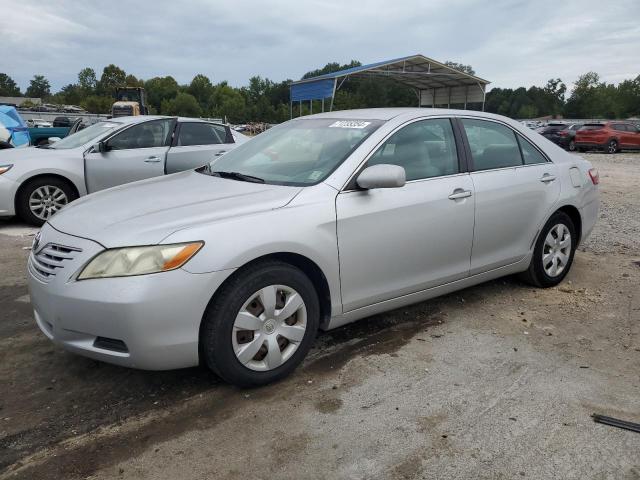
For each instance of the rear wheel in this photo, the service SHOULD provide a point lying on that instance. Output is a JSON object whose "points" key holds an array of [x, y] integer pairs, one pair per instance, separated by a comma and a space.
{"points": [[553, 253], [42, 197], [261, 325], [612, 146], [572, 146]]}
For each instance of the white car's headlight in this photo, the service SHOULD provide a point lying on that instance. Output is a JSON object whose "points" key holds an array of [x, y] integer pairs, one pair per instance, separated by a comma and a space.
{"points": [[128, 261], [5, 168]]}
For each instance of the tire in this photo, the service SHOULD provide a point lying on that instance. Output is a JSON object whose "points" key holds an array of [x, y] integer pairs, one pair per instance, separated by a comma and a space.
{"points": [[223, 342], [572, 146], [611, 146], [60, 193], [540, 273]]}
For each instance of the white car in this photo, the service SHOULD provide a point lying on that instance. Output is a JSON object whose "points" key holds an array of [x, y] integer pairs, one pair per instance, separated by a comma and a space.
{"points": [[36, 182], [39, 123]]}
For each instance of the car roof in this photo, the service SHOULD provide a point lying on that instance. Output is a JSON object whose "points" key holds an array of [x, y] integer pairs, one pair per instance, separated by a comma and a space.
{"points": [[389, 113], [144, 118]]}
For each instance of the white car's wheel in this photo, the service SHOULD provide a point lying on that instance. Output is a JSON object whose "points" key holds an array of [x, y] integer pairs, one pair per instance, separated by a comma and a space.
{"points": [[41, 198]]}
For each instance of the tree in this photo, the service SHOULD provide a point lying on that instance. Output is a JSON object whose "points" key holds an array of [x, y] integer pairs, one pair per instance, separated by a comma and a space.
{"points": [[202, 89], [460, 67], [97, 104], [39, 87], [8, 87], [183, 105], [132, 81], [87, 80], [112, 78], [159, 89], [72, 94], [228, 102]]}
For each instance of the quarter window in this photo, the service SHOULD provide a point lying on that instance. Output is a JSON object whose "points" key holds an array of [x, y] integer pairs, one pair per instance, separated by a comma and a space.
{"points": [[143, 135], [201, 134], [492, 145], [424, 149], [530, 154]]}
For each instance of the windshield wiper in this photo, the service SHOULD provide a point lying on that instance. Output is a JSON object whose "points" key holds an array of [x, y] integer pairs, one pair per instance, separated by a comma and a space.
{"points": [[238, 176]]}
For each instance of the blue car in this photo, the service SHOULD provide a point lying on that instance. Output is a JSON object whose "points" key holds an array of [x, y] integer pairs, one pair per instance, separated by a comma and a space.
{"points": [[12, 121]]}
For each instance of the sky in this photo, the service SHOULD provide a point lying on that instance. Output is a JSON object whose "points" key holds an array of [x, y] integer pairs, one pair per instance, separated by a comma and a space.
{"points": [[511, 43]]}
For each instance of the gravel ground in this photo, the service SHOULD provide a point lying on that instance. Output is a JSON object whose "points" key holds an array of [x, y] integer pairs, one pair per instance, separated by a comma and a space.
{"points": [[496, 381]]}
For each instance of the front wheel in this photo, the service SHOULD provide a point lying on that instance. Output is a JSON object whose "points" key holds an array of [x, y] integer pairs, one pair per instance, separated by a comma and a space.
{"points": [[553, 253], [261, 324], [42, 197], [612, 146]]}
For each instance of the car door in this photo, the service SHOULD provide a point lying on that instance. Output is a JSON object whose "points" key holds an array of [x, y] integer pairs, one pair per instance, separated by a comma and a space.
{"points": [[132, 154], [197, 143], [631, 136], [397, 241], [513, 196]]}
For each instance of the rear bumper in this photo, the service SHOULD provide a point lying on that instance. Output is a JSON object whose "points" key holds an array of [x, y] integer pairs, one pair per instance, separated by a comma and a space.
{"points": [[560, 141]]}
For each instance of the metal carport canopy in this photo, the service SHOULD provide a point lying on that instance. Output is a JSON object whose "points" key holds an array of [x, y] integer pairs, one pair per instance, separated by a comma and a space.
{"points": [[435, 83]]}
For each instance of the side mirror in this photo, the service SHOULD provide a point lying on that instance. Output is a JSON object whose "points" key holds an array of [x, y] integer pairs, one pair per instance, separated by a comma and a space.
{"points": [[382, 176], [53, 140], [99, 147]]}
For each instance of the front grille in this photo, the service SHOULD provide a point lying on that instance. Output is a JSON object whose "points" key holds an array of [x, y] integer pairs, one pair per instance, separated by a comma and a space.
{"points": [[49, 260]]}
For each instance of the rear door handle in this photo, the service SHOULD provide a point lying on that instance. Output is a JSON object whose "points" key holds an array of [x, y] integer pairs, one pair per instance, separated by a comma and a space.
{"points": [[459, 193], [546, 178], [152, 159]]}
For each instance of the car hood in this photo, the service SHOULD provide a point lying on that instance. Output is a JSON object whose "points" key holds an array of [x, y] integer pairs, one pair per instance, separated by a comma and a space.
{"points": [[146, 212], [19, 155]]}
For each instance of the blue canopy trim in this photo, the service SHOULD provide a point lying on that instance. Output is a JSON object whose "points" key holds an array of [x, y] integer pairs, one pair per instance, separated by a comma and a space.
{"points": [[313, 90]]}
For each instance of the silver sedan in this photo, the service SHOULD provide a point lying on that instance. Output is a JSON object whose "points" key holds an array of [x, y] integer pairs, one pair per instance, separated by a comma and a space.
{"points": [[36, 182], [316, 223]]}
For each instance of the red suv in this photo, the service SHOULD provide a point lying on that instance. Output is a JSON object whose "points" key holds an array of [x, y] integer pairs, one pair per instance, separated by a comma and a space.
{"points": [[608, 136]]}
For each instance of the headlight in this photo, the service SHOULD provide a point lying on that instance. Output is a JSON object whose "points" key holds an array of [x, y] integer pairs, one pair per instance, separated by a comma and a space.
{"points": [[5, 168], [124, 262]]}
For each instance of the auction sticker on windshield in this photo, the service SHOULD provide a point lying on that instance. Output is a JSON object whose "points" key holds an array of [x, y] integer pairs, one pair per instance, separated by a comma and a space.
{"points": [[349, 124]]}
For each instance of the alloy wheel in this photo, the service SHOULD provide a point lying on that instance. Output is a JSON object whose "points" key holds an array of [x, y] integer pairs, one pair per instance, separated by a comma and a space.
{"points": [[269, 327], [556, 250], [612, 147], [46, 200], [572, 146]]}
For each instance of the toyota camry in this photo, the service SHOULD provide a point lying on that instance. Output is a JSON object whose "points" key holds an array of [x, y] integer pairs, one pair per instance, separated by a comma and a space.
{"points": [[318, 222]]}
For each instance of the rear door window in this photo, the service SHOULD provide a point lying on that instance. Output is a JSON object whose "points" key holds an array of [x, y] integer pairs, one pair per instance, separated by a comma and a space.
{"points": [[492, 144], [530, 154], [200, 133]]}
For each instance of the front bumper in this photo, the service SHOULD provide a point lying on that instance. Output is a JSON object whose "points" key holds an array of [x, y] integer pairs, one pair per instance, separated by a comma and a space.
{"points": [[156, 317], [7, 197]]}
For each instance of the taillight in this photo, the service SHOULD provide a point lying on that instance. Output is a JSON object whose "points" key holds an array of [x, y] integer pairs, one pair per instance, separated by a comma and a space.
{"points": [[594, 175], [563, 133]]}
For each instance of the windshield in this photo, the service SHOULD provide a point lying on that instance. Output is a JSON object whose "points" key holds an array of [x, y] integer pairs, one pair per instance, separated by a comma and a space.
{"points": [[299, 152], [85, 136]]}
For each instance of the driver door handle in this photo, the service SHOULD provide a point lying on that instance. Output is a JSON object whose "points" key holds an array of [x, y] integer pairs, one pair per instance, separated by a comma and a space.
{"points": [[219, 153], [152, 159], [459, 193], [546, 178]]}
